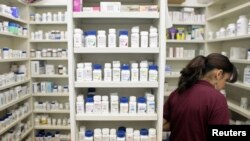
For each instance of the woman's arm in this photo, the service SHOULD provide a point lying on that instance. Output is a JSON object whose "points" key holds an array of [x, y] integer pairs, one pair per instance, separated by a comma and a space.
{"points": [[166, 125]]}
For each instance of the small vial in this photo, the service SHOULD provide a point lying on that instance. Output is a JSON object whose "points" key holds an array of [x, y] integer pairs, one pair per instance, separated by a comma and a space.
{"points": [[151, 104], [112, 38], [112, 136], [105, 104], [135, 38], [114, 104], [107, 72], [80, 104], [97, 72], [123, 105], [132, 105], [142, 107], [97, 134], [153, 37], [134, 72], [153, 73], [116, 71], [97, 104], [152, 134], [87, 71], [105, 134], [123, 39], [144, 71], [129, 134], [79, 72], [137, 135], [125, 73]]}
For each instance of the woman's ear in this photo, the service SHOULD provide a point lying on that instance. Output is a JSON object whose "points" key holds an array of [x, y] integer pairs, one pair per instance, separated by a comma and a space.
{"points": [[219, 74]]}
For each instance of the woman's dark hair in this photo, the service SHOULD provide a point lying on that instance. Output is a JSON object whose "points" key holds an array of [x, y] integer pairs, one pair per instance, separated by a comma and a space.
{"points": [[200, 65]]}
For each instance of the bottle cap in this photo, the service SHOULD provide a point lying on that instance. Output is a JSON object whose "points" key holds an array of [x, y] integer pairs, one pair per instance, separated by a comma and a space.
{"points": [[152, 131], [107, 65], [105, 98], [97, 66], [141, 100], [153, 67], [102, 32], [125, 67], [97, 98], [112, 131], [89, 99], [88, 133], [121, 134], [144, 131], [144, 33], [132, 99], [112, 30], [123, 32], [134, 65], [123, 100]]}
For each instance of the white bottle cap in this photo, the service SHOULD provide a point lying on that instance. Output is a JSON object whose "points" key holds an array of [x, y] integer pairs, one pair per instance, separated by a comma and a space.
{"points": [[87, 64], [129, 130], [144, 64], [112, 131], [153, 29], [112, 30], [134, 65], [132, 99], [97, 131], [135, 29], [150, 98], [102, 32], [107, 65], [152, 131], [114, 98], [136, 133], [116, 64], [80, 98], [105, 98], [105, 131], [82, 128], [144, 33], [97, 98]]}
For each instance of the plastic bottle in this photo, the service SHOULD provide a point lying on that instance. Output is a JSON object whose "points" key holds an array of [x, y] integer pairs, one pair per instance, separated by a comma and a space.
{"points": [[144, 39], [89, 105], [135, 38], [112, 136], [87, 71], [137, 135], [81, 135], [132, 105], [90, 38], [151, 104], [231, 30], [116, 71], [153, 37], [125, 72], [114, 105], [105, 104], [101, 38], [120, 136], [123, 105], [97, 72], [97, 104], [152, 134], [144, 71], [153, 73], [142, 107], [79, 72], [129, 134], [112, 38], [144, 134], [246, 77], [107, 72], [249, 27], [242, 25], [80, 104], [78, 38], [123, 39], [88, 135], [97, 134], [134, 72], [105, 134]]}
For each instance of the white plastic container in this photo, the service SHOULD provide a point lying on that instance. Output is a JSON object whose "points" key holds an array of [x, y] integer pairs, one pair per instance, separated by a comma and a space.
{"points": [[90, 39], [134, 72], [114, 105], [78, 38], [112, 38], [246, 77], [80, 104], [97, 134], [107, 72], [105, 134], [132, 105], [153, 37], [222, 32], [153, 73], [79, 72], [87, 71], [125, 73], [144, 71], [144, 39], [242, 25], [151, 104], [89, 105], [249, 27], [105, 104], [152, 134], [101, 39], [97, 72], [121, 136], [129, 134], [81, 135], [97, 104], [231, 30], [135, 38], [89, 136], [142, 106], [112, 136], [123, 39], [144, 134], [123, 105], [137, 135], [116, 71]]}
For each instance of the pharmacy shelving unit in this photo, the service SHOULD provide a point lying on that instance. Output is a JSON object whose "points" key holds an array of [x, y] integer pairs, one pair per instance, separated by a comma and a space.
{"points": [[15, 42], [198, 45], [120, 20], [220, 13], [54, 7]]}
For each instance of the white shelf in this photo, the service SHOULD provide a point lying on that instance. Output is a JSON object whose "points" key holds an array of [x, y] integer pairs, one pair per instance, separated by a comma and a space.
{"points": [[229, 38], [185, 41], [167, 93], [13, 35], [49, 58], [15, 2], [172, 76], [188, 5], [236, 11], [188, 23], [51, 94], [52, 3], [3, 130], [50, 127], [48, 23], [240, 61], [178, 59], [116, 50], [49, 41], [240, 85], [49, 76], [236, 108], [26, 133], [15, 102], [14, 60], [116, 117], [130, 15], [52, 111], [12, 18], [117, 84], [14, 84]]}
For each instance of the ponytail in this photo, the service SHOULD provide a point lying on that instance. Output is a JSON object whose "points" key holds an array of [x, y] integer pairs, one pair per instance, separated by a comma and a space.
{"points": [[191, 73]]}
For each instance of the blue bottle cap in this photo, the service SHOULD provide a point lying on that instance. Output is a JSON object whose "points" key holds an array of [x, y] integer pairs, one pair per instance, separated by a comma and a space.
{"points": [[123, 32], [97, 66], [125, 67], [88, 133], [91, 32], [121, 134], [153, 67], [124, 100], [141, 100], [144, 131], [89, 99]]}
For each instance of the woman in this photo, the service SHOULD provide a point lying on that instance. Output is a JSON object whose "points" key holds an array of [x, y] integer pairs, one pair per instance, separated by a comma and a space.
{"points": [[197, 102]]}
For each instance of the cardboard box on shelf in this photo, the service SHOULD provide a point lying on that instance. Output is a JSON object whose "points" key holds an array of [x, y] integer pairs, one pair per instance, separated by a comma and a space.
{"points": [[176, 1]]}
